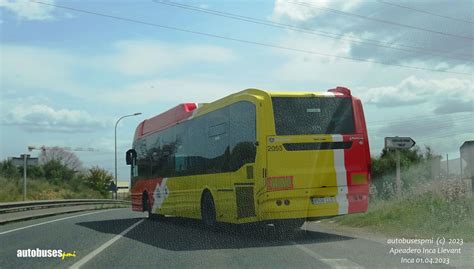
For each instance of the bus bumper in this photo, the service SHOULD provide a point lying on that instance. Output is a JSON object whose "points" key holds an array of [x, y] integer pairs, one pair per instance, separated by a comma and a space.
{"points": [[312, 203]]}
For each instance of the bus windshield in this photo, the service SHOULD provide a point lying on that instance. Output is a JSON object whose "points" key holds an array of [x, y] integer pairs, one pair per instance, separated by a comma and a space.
{"points": [[313, 115]]}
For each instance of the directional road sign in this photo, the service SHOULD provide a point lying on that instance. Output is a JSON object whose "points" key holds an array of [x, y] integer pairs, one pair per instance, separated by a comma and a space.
{"points": [[399, 142]]}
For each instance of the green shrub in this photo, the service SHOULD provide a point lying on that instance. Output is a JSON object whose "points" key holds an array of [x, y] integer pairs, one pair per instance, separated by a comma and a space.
{"points": [[98, 179], [8, 170], [52, 180]]}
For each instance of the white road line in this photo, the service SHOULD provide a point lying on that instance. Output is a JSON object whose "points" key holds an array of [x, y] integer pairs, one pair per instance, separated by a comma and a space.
{"points": [[46, 222], [341, 264], [333, 263], [107, 244]]}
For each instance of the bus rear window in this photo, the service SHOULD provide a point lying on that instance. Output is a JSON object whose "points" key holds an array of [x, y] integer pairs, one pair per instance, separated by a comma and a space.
{"points": [[313, 115]]}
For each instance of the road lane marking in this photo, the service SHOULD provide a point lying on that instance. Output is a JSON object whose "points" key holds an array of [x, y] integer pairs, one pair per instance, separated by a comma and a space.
{"points": [[308, 251], [341, 263], [50, 221], [107, 244], [333, 263]]}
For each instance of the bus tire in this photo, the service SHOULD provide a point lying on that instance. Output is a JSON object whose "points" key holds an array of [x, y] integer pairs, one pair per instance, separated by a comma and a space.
{"points": [[208, 211]]}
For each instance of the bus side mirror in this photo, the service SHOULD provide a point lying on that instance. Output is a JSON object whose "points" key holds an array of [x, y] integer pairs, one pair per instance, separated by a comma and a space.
{"points": [[130, 156]]}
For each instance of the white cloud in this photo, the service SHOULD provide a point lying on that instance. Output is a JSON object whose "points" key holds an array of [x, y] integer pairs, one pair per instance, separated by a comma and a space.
{"points": [[412, 45], [33, 69], [171, 91], [284, 9], [29, 10], [26, 68], [43, 118], [318, 68], [149, 57], [414, 90]]}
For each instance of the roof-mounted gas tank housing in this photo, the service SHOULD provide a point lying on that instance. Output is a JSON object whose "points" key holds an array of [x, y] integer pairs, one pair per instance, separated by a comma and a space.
{"points": [[342, 90], [166, 119]]}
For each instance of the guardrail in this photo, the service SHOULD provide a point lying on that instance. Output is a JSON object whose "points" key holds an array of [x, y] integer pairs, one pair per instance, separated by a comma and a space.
{"points": [[33, 209]]}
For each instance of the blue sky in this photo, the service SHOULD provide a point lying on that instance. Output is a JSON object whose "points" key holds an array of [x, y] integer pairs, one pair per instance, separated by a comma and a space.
{"points": [[67, 76]]}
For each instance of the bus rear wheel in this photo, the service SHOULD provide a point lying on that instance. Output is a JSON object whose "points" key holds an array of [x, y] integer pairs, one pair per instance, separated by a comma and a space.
{"points": [[208, 211]]}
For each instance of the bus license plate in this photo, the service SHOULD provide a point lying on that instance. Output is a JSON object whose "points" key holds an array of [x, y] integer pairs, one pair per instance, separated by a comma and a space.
{"points": [[323, 200]]}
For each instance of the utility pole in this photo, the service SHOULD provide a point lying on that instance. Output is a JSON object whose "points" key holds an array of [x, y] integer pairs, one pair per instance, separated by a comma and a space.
{"points": [[447, 166], [398, 180], [25, 160]]}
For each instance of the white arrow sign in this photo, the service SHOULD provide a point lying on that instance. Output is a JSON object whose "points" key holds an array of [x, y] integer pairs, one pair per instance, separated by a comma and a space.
{"points": [[399, 142]]}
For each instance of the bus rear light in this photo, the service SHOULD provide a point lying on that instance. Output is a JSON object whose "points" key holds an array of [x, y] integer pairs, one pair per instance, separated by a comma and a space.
{"points": [[359, 178], [279, 183]]}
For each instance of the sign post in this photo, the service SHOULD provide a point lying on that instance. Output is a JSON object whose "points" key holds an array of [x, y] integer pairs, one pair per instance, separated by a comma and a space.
{"points": [[398, 143], [25, 160]]}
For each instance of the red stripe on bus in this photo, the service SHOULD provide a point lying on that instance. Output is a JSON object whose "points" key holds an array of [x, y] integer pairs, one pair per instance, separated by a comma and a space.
{"points": [[148, 185]]}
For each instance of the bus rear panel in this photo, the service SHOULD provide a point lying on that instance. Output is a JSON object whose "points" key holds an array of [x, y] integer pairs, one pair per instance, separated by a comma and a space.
{"points": [[318, 160]]}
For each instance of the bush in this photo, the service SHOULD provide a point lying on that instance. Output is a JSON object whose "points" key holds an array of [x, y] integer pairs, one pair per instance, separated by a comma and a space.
{"points": [[8, 170], [55, 172], [98, 179], [415, 166], [52, 180]]}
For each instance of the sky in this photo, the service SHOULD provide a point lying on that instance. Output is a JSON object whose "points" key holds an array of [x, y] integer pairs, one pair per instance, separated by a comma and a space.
{"points": [[71, 69]]}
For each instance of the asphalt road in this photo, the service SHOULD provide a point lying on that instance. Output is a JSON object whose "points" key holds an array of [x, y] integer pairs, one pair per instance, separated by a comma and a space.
{"points": [[120, 238]]}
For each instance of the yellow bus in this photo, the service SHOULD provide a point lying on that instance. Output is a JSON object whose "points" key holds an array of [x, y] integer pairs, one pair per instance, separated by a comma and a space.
{"points": [[254, 156]]}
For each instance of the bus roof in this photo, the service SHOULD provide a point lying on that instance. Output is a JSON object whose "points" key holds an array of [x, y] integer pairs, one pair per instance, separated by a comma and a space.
{"points": [[186, 111], [166, 119]]}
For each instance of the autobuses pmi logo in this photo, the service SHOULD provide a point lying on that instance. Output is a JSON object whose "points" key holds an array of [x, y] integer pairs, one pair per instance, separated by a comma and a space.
{"points": [[44, 253]]}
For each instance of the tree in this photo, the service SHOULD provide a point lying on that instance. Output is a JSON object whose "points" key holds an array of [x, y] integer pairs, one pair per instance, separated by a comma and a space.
{"points": [[56, 172], [66, 158], [9, 170], [98, 179]]}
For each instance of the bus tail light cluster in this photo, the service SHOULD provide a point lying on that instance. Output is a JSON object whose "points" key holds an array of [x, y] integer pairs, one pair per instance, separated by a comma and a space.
{"points": [[279, 183], [359, 178]]}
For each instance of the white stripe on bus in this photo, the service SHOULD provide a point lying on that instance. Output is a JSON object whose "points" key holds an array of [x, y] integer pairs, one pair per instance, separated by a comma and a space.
{"points": [[341, 176]]}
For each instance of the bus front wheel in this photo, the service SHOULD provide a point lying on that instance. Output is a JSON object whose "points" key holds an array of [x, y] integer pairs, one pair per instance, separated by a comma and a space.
{"points": [[147, 207], [208, 211]]}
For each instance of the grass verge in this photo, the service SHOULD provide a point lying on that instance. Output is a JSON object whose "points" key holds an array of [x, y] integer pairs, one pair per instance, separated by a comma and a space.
{"points": [[429, 214], [41, 189]]}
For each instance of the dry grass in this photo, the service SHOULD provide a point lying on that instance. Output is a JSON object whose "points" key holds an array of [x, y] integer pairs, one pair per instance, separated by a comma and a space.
{"points": [[41, 189], [435, 209]]}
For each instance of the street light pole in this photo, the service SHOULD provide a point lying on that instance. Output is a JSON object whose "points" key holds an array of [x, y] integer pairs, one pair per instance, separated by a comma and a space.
{"points": [[116, 123]]}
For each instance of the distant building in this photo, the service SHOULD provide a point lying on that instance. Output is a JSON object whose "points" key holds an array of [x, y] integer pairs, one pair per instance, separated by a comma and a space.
{"points": [[19, 161], [123, 189], [467, 154]]}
